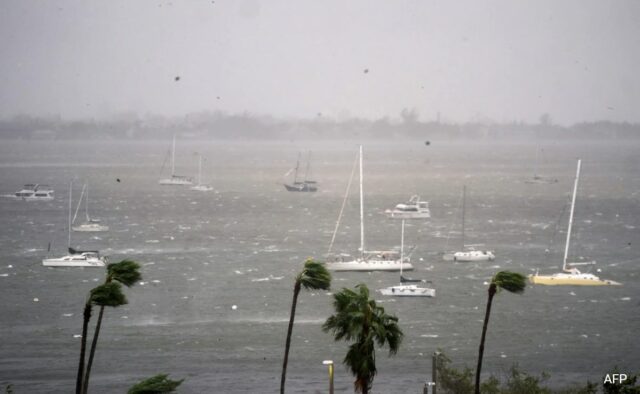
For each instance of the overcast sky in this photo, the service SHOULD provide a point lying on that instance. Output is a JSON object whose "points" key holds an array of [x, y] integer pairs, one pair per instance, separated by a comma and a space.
{"points": [[469, 60]]}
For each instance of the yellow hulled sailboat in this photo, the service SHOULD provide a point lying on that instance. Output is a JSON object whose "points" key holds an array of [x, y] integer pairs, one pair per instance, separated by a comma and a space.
{"points": [[571, 276]]}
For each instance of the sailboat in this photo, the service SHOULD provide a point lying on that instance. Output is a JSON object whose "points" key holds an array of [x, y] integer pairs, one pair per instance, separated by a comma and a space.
{"points": [[200, 187], [571, 275], [76, 258], [368, 260], [305, 185], [467, 254], [90, 225], [405, 290], [175, 180], [539, 179]]}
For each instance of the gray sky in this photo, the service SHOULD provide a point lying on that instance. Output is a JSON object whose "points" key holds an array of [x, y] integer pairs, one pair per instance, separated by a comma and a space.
{"points": [[469, 60]]}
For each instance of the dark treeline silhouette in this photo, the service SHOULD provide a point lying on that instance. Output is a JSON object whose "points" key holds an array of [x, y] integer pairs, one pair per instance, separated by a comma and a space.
{"points": [[219, 125]]}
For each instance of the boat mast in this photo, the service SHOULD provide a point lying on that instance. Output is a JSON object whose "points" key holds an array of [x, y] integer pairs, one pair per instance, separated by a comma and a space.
{"points": [[361, 210], [464, 193], [86, 205], [70, 191], [295, 173], [173, 156], [306, 171], [401, 249], [199, 169], [573, 203]]}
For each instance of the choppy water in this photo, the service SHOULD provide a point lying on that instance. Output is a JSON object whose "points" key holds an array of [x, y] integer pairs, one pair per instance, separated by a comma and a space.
{"points": [[203, 253]]}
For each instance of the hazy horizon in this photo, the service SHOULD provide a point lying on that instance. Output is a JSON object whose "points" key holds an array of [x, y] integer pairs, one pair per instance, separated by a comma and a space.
{"points": [[462, 62]]}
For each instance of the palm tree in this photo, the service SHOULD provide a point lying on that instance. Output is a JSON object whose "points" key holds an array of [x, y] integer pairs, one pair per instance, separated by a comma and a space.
{"points": [[359, 319], [314, 276], [512, 282], [126, 272], [108, 294]]}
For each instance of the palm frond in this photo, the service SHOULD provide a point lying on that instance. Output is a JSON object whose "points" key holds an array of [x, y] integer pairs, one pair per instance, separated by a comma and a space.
{"points": [[510, 281], [315, 276], [126, 272], [108, 294], [159, 384]]}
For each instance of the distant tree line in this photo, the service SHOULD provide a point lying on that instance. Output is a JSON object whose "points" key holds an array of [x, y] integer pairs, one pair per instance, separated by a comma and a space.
{"points": [[218, 125]]}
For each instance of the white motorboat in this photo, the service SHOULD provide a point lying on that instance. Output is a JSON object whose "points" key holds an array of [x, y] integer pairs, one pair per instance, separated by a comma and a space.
{"points": [[367, 260], [200, 187], [570, 275], [34, 192], [175, 180], [413, 209], [91, 225], [467, 253], [403, 289]]}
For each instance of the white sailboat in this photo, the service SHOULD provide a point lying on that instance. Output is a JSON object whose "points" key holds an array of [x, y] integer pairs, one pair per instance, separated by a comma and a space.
{"points": [[367, 260], [175, 180], [91, 225], [76, 258], [200, 187], [570, 275], [403, 289], [467, 253]]}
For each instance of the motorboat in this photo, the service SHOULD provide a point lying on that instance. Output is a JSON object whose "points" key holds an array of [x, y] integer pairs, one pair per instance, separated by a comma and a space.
{"points": [[34, 192], [413, 209]]}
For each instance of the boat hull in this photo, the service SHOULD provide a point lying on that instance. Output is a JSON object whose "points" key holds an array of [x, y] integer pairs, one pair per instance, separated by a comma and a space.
{"points": [[408, 291], [202, 188], [63, 262], [408, 215], [563, 279], [90, 228], [369, 265], [303, 187], [176, 182], [474, 255]]}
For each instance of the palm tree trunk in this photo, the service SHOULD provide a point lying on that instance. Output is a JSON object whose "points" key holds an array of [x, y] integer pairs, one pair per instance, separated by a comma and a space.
{"points": [[296, 291], [492, 292], [92, 352], [83, 345]]}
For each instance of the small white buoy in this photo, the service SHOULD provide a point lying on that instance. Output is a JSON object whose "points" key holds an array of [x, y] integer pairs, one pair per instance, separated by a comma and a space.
{"points": [[234, 307], [36, 299]]}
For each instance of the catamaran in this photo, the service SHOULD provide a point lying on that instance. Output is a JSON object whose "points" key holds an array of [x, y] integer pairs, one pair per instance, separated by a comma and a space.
{"points": [[91, 225], [305, 185], [403, 289], [175, 180], [367, 260], [537, 178], [76, 258], [466, 253], [413, 209], [571, 275]]}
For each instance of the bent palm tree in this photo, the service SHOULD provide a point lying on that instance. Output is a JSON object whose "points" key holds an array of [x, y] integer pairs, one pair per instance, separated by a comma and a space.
{"points": [[359, 319], [314, 276], [125, 272], [512, 282]]}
